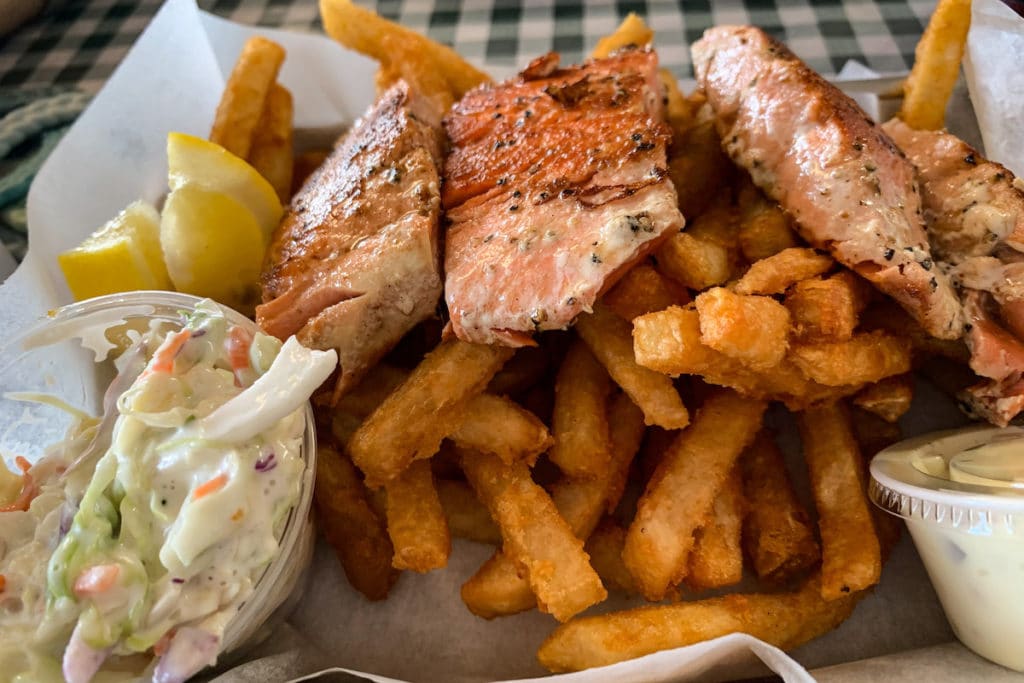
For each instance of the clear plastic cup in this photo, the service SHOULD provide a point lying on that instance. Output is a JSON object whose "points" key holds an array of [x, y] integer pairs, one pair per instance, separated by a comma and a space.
{"points": [[963, 501], [48, 358]]}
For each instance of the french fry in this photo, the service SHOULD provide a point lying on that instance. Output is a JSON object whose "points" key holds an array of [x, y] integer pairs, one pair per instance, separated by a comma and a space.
{"points": [[865, 357], [467, 517], [413, 419], [605, 549], [644, 290], [365, 397], [772, 275], [582, 445], [609, 338], [680, 493], [872, 432], [679, 112], [826, 309], [886, 315], [785, 620], [526, 368], [242, 103], [416, 521], [850, 552], [936, 66], [889, 398], [495, 424], [751, 329], [764, 228], [777, 532], [697, 165], [365, 31], [717, 557], [703, 256], [271, 151], [632, 31], [535, 536], [351, 526], [497, 589], [408, 63]]}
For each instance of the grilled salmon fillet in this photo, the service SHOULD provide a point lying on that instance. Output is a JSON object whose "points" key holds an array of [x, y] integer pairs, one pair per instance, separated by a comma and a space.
{"points": [[354, 264], [556, 182], [812, 149], [975, 216]]}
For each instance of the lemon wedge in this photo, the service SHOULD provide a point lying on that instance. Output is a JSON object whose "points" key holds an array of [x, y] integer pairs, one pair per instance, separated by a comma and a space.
{"points": [[194, 161], [213, 245], [121, 256]]}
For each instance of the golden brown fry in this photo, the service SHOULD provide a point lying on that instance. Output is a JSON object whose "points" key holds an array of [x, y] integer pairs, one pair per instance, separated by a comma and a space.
{"points": [[872, 432], [497, 589], [886, 315], [408, 63], [936, 66], [467, 517], [605, 549], [889, 398], [772, 275], [865, 357], [764, 228], [416, 522], [535, 536], [717, 557], [371, 391], [526, 368], [609, 337], [271, 151], [644, 290], [427, 406], [850, 552], [365, 31], [826, 309], [785, 620], [697, 165], [751, 329], [244, 95], [679, 112], [777, 532], [680, 493], [632, 31], [582, 445], [495, 424], [351, 526], [707, 254]]}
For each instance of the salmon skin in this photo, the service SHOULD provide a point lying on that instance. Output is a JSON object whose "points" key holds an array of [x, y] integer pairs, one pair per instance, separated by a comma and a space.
{"points": [[354, 264], [813, 150], [556, 183], [975, 216]]}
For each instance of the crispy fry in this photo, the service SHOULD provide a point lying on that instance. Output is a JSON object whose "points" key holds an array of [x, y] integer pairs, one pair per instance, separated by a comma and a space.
{"points": [[467, 517], [526, 368], [872, 432], [407, 62], [889, 398], [703, 256], [644, 290], [411, 422], [495, 424], [826, 309], [679, 112], [244, 95], [680, 493], [605, 549], [777, 532], [496, 588], [850, 551], [772, 275], [535, 536], [364, 31], [609, 338], [865, 357], [751, 329], [886, 315], [764, 228], [785, 620], [936, 66], [416, 522], [582, 445], [717, 557], [632, 31], [351, 526], [371, 391], [271, 150], [697, 165]]}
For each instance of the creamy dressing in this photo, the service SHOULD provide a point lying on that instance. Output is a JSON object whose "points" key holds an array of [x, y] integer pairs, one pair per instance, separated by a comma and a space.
{"points": [[153, 548]]}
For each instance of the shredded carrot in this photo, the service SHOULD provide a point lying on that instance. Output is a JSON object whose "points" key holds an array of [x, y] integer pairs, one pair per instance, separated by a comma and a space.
{"points": [[239, 513], [238, 343], [161, 646], [211, 486], [163, 359], [29, 490], [96, 579], [3, 583]]}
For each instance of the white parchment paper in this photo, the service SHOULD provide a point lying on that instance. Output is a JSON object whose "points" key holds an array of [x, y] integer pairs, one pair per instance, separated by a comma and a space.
{"points": [[172, 80]]}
